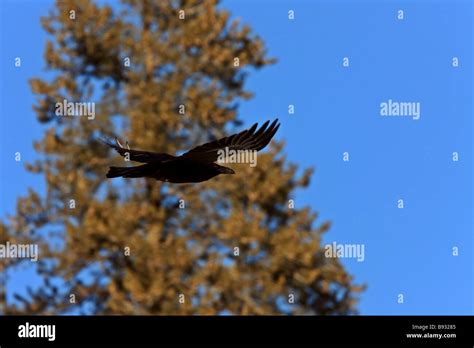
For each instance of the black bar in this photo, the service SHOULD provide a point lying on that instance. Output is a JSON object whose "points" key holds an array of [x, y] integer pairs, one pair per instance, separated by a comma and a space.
{"points": [[239, 329]]}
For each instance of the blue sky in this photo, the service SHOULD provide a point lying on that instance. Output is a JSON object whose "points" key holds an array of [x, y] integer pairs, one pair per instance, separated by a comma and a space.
{"points": [[337, 109]]}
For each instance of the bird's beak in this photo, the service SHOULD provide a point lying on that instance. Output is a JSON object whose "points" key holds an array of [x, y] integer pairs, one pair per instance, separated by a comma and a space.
{"points": [[225, 170]]}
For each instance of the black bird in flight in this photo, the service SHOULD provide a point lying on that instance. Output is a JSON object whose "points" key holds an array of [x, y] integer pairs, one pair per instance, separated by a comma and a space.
{"points": [[196, 165]]}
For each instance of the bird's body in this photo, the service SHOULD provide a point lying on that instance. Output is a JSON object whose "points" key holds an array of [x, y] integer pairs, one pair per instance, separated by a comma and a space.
{"points": [[196, 165], [177, 170]]}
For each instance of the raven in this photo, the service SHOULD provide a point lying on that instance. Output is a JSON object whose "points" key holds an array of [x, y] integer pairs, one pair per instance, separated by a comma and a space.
{"points": [[196, 165]]}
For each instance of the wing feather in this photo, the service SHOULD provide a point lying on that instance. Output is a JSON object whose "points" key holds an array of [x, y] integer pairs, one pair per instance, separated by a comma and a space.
{"points": [[250, 139], [138, 155]]}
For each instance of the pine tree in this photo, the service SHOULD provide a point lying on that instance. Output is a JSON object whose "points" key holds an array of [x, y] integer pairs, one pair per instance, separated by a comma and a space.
{"points": [[166, 75]]}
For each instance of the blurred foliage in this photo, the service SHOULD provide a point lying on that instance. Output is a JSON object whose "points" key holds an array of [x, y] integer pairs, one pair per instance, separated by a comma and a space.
{"points": [[173, 251]]}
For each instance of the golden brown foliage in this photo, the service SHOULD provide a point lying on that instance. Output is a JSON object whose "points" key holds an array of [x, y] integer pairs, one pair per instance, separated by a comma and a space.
{"points": [[173, 251]]}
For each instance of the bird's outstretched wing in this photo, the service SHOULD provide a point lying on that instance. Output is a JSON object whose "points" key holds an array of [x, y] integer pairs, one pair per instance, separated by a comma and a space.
{"points": [[249, 139], [137, 155]]}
